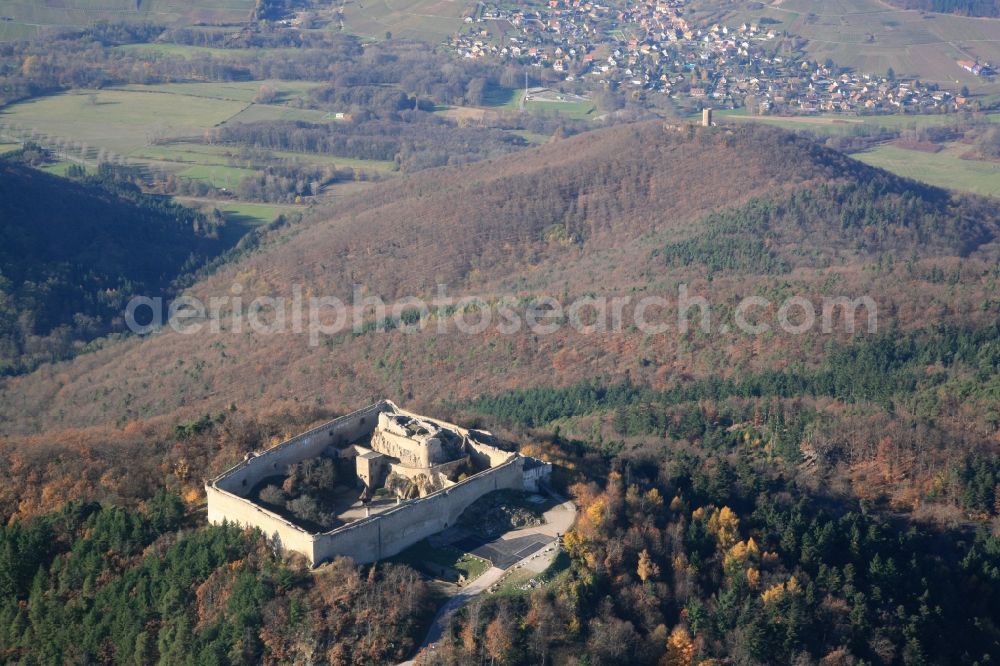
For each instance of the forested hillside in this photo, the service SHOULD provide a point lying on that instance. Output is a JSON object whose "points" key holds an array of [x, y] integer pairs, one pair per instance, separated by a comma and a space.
{"points": [[634, 209], [111, 585], [817, 498], [74, 252], [611, 187], [962, 7], [626, 210], [683, 558]]}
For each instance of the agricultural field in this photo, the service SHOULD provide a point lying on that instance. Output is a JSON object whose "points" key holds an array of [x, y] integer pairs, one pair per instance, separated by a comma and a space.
{"points": [[218, 176], [115, 123], [843, 125], [122, 121], [118, 120], [428, 20], [236, 91], [259, 112], [869, 36], [944, 169], [24, 18], [187, 51]]}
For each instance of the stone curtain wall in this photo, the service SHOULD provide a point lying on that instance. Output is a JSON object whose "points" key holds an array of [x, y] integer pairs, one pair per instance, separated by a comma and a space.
{"points": [[393, 531], [241, 479], [227, 507], [369, 539], [226, 494]]}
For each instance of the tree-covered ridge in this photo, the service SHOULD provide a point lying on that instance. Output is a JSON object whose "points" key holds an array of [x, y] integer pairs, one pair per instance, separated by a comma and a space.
{"points": [[74, 252], [683, 560], [871, 213], [110, 585], [963, 7], [883, 410], [888, 368]]}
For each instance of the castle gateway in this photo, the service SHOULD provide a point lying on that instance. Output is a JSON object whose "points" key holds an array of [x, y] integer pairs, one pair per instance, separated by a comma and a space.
{"points": [[385, 478]]}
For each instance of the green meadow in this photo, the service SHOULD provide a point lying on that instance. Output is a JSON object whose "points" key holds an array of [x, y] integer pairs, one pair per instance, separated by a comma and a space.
{"points": [[160, 127], [187, 51], [242, 213], [120, 120], [944, 169], [236, 91]]}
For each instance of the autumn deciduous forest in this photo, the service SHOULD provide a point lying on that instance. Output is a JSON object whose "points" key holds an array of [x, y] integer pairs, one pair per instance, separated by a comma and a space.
{"points": [[826, 498]]}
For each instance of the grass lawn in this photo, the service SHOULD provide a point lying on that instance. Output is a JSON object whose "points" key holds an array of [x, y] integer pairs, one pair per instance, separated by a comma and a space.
{"points": [[944, 169], [183, 155], [12, 32], [431, 560], [222, 155], [8, 147], [57, 168], [183, 50], [187, 153], [253, 213], [316, 158]]}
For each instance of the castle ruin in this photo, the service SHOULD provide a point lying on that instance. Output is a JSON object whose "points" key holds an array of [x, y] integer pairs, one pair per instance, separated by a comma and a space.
{"points": [[408, 477]]}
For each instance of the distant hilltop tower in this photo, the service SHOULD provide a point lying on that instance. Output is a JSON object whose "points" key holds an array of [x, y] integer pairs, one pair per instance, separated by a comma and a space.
{"points": [[706, 118]]}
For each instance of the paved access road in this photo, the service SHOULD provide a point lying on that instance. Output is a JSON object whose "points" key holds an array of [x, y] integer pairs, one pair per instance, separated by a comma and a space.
{"points": [[513, 548]]}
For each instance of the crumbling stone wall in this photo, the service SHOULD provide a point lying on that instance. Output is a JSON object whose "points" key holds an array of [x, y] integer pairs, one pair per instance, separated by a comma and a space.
{"points": [[368, 539]]}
